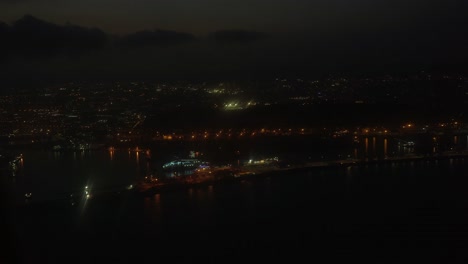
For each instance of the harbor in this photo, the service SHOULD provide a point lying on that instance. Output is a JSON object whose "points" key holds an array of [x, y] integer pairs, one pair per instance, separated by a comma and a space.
{"points": [[212, 175], [148, 170]]}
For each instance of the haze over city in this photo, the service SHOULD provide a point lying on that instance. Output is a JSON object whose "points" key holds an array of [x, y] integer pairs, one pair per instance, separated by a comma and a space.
{"points": [[233, 131], [186, 39]]}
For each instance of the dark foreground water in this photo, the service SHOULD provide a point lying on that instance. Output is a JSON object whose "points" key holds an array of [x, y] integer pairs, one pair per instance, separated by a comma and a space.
{"points": [[413, 212]]}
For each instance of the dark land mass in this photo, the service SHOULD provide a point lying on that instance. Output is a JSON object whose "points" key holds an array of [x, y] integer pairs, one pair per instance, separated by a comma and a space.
{"points": [[288, 115]]}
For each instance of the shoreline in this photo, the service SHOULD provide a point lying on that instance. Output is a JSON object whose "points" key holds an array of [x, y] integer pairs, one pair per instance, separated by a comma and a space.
{"points": [[265, 172], [137, 192]]}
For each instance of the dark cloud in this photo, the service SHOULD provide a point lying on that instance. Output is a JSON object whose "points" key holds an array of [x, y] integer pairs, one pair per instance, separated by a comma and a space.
{"points": [[4, 28], [155, 38], [237, 36], [12, 1], [4, 36], [38, 48], [30, 36]]}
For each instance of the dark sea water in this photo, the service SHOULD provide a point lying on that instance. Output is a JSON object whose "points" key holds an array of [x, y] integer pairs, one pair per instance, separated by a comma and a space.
{"points": [[409, 212]]}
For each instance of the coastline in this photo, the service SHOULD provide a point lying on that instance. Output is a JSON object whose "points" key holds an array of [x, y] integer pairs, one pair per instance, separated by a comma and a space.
{"points": [[243, 174], [252, 172]]}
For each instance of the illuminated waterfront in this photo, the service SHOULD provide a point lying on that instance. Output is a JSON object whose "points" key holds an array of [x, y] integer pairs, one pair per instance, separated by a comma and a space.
{"points": [[341, 212], [386, 191], [53, 175]]}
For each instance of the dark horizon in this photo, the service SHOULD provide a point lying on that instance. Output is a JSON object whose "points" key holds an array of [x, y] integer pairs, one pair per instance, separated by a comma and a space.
{"points": [[35, 48]]}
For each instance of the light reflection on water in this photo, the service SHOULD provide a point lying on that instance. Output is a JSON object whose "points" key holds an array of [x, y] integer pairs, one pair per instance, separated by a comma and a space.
{"points": [[346, 205], [51, 175], [386, 147], [366, 146]]}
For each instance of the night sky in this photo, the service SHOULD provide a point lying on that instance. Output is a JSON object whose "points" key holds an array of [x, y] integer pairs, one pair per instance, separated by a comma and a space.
{"points": [[207, 38]]}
